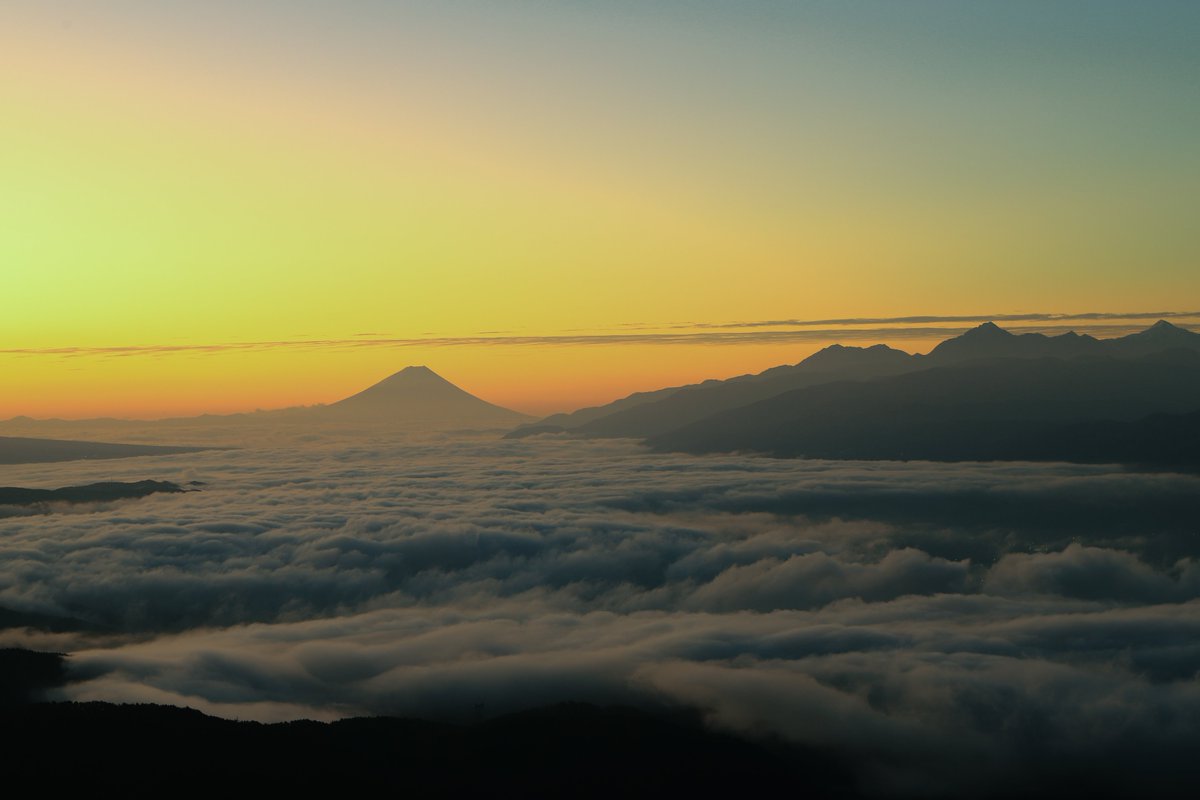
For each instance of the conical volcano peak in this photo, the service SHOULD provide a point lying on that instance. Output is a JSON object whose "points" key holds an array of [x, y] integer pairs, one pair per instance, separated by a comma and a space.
{"points": [[1163, 325], [418, 395]]}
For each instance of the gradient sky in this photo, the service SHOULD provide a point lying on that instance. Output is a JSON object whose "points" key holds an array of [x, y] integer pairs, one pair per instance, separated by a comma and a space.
{"points": [[218, 206]]}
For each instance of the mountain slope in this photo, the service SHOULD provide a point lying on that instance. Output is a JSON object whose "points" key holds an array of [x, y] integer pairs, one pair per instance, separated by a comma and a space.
{"points": [[992, 409], [557, 423], [1160, 336], [692, 403]]}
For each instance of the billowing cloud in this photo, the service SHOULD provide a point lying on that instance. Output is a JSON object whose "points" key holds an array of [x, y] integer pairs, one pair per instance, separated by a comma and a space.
{"points": [[944, 626]]}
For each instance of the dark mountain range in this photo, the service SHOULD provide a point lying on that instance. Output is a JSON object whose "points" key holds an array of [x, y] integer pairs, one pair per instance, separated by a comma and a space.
{"points": [[991, 341], [21, 450], [990, 409], [655, 414], [1162, 335]]}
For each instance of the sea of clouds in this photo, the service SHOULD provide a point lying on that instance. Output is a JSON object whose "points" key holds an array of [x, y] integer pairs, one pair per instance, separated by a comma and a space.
{"points": [[939, 626]]}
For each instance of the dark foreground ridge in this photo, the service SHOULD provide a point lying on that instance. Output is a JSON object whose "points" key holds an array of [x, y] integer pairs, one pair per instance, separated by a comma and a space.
{"points": [[568, 750], [572, 749], [90, 493], [22, 450], [564, 750]]}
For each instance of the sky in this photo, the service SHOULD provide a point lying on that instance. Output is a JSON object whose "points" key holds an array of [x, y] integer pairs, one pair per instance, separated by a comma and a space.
{"points": [[223, 206]]}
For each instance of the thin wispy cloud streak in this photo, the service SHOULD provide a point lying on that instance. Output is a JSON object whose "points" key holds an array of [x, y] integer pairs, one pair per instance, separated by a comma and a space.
{"points": [[1027, 620], [1032, 317], [913, 329]]}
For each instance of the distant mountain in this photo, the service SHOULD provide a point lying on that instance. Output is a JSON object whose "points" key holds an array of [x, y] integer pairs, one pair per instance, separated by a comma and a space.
{"points": [[22, 450], [1162, 335], [89, 493], [651, 414], [991, 409], [991, 341], [416, 396]]}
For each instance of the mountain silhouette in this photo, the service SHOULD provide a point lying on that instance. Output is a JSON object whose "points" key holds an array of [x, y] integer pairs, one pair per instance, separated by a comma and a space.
{"points": [[416, 396], [991, 341], [992, 409], [656, 414], [558, 423], [1162, 335]]}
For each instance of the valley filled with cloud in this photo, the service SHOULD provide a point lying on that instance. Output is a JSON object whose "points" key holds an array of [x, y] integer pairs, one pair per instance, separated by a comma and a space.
{"points": [[942, 626]]}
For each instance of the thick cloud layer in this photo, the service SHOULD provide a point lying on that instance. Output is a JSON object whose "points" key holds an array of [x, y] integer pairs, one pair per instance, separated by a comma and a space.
{"points": [[946, 626]]}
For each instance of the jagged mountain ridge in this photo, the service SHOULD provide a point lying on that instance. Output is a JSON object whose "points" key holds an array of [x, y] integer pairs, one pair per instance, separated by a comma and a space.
{"points": [[655, 414], [986, 409]]}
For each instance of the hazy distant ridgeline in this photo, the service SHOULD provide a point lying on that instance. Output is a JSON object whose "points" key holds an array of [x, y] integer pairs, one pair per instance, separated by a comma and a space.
{"points": [[987, 394], [414, 399], [21, 450]]}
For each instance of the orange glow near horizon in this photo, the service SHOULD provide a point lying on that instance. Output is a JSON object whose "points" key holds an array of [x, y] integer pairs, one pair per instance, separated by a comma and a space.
{"points": [[534, 378], [194, 175]]}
